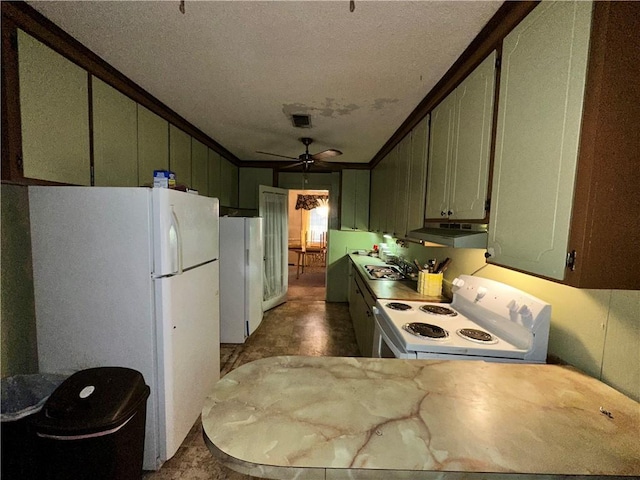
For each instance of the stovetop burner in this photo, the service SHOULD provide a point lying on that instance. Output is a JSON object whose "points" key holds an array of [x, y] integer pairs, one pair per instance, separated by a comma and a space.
{"points": [[398, 306], [426, 330], [438, 310], [478, 336]]}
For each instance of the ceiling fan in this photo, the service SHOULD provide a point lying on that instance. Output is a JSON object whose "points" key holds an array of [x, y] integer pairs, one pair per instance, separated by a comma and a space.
{"points": [[306, 159]]}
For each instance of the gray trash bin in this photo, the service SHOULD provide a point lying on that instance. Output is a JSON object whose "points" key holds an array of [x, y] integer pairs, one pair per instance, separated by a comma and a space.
{"points": [[92, 426], [22, 396]]}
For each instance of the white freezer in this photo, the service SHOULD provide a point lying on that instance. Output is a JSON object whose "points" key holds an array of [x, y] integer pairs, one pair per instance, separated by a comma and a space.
{"points": [[101, 298], [241, 277]]}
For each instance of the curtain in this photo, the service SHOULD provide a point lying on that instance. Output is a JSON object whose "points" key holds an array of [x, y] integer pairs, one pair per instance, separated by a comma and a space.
{"points": [[309, 202], [275, 229]]}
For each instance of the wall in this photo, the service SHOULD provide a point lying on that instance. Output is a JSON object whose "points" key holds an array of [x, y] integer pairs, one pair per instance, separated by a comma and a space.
{"points": [[17, 311]]}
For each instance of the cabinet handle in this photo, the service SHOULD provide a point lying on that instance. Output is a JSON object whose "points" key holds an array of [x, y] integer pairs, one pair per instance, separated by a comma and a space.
{"points": [[368, 313], [443, 213], [449, 213]]}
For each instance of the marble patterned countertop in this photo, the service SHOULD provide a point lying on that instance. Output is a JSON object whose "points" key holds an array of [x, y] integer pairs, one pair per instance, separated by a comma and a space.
{"points": [[363, 418]]}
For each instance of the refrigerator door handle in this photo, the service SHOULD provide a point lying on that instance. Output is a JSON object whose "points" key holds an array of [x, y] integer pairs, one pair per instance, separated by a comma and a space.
{"points": [[175, 227]]}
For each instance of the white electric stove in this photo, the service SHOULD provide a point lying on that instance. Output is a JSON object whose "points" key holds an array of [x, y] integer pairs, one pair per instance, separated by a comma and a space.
{"points": [[487, 320]]}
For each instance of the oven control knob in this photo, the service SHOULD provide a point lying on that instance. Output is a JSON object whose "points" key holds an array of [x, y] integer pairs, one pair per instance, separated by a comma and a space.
{"points": [[524, 311], [513, 306], [482, 291]]}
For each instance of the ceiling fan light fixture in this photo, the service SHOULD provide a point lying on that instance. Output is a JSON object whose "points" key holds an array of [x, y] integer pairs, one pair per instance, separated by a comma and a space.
{"points": [[301, 121]]}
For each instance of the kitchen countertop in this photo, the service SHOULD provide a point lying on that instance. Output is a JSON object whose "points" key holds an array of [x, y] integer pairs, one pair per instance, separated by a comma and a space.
{"points": [[332, 417], [390, 289]]}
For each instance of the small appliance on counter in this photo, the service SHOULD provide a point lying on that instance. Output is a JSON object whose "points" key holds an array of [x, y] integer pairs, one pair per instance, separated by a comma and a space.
{"points": [[487, 320]]}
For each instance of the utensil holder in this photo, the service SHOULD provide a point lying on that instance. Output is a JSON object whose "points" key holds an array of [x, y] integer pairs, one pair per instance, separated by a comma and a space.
{"points": [[430, 284]]}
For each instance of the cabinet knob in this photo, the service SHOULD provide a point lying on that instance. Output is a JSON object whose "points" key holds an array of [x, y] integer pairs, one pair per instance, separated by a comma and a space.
{"points": [[449, 213], [443, 213]]}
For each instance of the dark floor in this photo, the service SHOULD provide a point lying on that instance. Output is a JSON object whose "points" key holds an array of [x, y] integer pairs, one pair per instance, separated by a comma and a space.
{"points": [[304, 325]]}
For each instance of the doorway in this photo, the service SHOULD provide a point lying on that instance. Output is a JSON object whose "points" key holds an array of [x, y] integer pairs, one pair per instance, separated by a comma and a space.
{"points": [[307, 240]]}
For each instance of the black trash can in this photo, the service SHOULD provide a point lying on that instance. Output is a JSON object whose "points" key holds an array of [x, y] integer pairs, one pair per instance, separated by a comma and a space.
{"points": [[22, 397], [92, 426]]}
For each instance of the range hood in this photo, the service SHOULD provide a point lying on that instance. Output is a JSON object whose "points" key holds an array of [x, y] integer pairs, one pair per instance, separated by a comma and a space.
{"points": [[457, 235]]}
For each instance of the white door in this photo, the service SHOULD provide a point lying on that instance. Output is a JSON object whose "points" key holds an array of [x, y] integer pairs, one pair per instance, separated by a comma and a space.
{"points": [[273, 208]]}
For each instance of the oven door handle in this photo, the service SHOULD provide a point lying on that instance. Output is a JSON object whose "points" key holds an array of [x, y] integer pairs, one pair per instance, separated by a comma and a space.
{"points": [[380, 336]]}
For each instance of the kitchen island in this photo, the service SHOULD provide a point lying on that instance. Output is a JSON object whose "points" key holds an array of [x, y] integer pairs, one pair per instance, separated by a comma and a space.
{"points": [[363, 418]]}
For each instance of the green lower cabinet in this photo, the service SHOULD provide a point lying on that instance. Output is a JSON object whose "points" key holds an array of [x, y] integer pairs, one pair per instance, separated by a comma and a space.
{"points": [[115, 149], [54, 108], [153, 145]]}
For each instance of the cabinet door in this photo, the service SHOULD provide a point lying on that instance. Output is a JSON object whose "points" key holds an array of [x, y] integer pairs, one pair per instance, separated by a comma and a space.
{"points": [[401, 187], [354, 213], [214, 172], [199, 167], [440, 153], [115, 137], [180, 155], [376, 200], [348, 200], [389, 194], [363, 187], [539, 116], [250, 179], [229, 183], [417, 175], [54, 109], [153, 144], [473, 124]]}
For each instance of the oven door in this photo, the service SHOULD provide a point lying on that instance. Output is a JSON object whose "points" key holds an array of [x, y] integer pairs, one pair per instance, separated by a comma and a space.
{"points": [[385, 341]]}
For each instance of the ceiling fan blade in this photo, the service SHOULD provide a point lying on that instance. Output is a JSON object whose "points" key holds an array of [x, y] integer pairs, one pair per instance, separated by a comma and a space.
{"points": [[292, 165], [332, 152], [277, 155]]}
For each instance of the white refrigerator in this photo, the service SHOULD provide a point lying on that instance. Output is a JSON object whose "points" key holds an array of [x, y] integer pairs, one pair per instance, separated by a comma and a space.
{"points": [[129, 277], [241, 263]]}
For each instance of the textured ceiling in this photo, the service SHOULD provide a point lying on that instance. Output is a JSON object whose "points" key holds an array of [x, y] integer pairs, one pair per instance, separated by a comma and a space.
{"points": [[237, 70]]}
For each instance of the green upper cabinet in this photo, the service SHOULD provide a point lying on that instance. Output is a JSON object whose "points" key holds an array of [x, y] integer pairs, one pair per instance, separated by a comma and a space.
{"points": [[180, 155], [54, 107], [213, 173], [403, 161], [199, 167], [459, 150], [539, 118], [229, 183], [153, 145], [389, 195], [376, 200], [115, 132], [417, 175], [354, 212], [249, 179]]}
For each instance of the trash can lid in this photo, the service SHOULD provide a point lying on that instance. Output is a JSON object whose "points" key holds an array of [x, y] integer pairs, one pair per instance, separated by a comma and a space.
{"points": [[92, 400]]}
